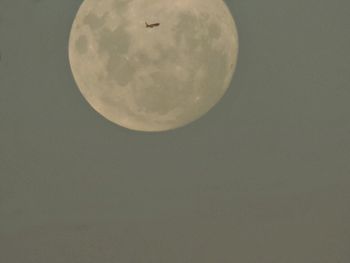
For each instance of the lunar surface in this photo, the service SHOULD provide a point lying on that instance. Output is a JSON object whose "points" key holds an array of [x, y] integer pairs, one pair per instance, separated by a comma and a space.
{"points": [[153, 78]]}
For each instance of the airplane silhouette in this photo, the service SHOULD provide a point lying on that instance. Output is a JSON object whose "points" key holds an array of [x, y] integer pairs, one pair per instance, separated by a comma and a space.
{"points": [[152, 25]]}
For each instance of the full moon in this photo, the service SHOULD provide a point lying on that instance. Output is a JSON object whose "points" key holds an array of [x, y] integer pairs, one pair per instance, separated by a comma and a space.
{"points": [[153, 65]]}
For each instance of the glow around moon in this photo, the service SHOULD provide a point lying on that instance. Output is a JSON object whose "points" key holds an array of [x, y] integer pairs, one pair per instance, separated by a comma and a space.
{"points": [[153, 78]]}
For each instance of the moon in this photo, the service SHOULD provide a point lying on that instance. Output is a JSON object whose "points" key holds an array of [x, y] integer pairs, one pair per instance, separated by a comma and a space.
{"points": [[153, 78]]}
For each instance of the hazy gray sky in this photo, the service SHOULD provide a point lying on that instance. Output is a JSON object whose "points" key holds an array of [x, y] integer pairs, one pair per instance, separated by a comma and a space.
{"points": [[263, 177]]}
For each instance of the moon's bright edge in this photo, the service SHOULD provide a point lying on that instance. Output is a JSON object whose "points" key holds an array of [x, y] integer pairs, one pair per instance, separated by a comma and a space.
{"points": [[153, 79]]}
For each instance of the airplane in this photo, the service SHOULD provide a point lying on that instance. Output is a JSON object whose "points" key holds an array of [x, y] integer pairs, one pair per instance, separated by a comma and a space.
{"points": [[152, 25]]}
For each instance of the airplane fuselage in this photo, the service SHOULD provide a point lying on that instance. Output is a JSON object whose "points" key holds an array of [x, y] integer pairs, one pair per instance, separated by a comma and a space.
{"points": [[152, 25]]}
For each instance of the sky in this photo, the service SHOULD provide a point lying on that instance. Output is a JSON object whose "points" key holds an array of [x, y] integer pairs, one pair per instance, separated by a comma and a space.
{"points": [[263, 177]]}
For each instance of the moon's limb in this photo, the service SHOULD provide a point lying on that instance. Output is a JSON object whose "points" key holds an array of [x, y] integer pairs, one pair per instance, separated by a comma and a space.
{"points": [[153, 79]]}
